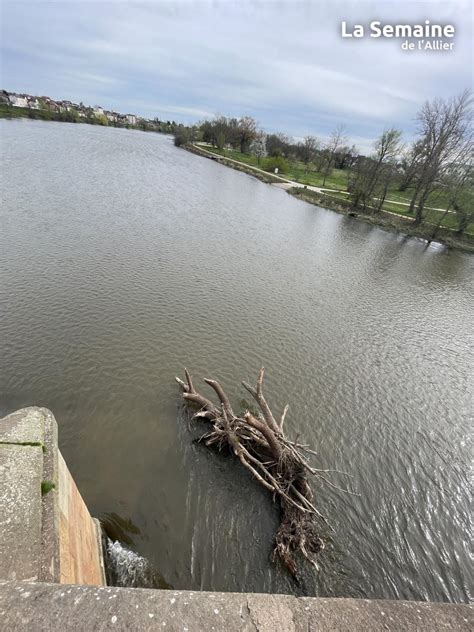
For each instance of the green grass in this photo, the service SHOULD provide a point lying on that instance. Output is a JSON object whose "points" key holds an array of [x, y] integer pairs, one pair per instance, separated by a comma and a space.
{"points": [[340, 195], [338, 180], [438, 199], [450, 221], [247, 159], [7, 111], [297, 170], [399, 196], [396, 208], [46, 487]]}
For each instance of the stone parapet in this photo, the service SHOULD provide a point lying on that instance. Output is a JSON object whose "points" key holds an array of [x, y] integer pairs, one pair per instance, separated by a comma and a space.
{"points": [[46, 531], [56, 608]]}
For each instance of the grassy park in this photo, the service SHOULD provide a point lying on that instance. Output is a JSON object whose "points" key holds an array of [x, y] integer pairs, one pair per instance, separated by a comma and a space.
{"points": [[337, 180]]}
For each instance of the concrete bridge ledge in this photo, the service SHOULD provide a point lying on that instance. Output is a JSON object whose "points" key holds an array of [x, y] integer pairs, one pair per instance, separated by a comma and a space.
{"points": [[63, 608], [46, 531]]}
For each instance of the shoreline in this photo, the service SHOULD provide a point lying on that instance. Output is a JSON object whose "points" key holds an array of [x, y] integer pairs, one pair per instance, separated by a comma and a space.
{"points": [[386, 220], [13, 113], [390, 222]]}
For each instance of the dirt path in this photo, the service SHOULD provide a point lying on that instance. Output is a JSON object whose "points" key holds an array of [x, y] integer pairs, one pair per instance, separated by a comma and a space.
{"points": [[286, 183]]}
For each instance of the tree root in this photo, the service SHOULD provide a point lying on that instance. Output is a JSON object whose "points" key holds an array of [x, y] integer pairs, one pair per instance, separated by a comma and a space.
{"points": [[277, 463]]}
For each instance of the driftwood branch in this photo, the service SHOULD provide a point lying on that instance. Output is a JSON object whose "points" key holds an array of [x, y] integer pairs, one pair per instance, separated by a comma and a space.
{"points": [[277, 463]]}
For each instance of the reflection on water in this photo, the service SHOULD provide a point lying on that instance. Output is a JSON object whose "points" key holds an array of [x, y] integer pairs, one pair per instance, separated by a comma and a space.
{"points": [[118, 528], [124, 259]]}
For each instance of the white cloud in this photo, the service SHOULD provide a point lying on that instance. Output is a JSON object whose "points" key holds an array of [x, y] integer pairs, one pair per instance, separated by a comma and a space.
{"points": [[284, 63]]}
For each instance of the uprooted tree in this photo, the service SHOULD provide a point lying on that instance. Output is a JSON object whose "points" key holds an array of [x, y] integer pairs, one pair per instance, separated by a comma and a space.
{"points": [[279, 464]]}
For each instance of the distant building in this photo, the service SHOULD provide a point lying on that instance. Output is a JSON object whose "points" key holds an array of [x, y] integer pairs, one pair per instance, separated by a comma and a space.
{"points": [[50, 104], [79, 109], [111, 116], [4, 97], [18, 101], [66, 106], [33, 103]]}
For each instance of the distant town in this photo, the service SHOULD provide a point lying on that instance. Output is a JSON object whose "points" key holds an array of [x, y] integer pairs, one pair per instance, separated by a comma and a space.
{"points": [[13, 104]]}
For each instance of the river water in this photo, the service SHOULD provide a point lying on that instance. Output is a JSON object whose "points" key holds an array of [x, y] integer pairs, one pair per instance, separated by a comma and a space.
{"points": [[124, 259]]}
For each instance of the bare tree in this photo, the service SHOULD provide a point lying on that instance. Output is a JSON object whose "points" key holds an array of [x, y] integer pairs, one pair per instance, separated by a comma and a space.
{"points": [[247, 132], [373, 175], [409, 164], [279, 144], [458, 182], [387, 149], [336, 141], [308, 149], [385, 179], [345, 157], [444, 128]]}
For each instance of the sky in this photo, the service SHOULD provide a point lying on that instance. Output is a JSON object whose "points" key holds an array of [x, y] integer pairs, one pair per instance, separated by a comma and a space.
{"points": [[284, 63]]}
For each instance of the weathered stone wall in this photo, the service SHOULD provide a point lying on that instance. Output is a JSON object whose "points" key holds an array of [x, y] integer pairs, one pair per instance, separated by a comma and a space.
{"points": [[46, 531], [80, 546]]}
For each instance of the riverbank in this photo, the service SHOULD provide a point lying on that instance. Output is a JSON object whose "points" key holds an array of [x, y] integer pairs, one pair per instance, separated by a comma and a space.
{"points": [[238, 166], [387, 220], [13, 112]]}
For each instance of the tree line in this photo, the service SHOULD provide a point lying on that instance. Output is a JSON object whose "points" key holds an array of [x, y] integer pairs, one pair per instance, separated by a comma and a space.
{"points": [[88, 115], [438, 160], [243, 135]]}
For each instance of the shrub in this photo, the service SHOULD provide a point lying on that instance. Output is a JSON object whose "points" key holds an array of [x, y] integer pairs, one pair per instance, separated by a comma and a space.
{"points": [[182, 137], [276, 162]]}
